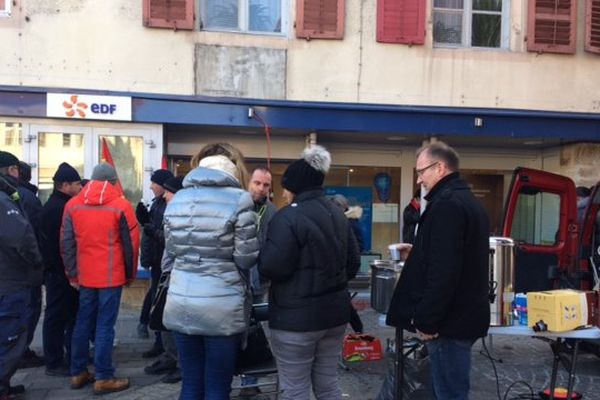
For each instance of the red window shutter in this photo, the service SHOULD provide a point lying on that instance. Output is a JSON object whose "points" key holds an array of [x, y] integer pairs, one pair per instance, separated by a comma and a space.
{"points": [[592, 26], [320, 19], [174, 14], [552, 26], [401, 21], [2, 5]]}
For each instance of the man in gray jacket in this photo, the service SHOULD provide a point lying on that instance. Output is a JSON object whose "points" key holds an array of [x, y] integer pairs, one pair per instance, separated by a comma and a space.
{"points": [[20, 268]]}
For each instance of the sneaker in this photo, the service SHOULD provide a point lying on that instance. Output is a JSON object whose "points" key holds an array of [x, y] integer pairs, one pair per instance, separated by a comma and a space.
{"points": [[159, 367], [172, 377], [249, 392], [30, 360], [102, 386], [155, 351], [62, 370], [79, 381], [142, 331]]}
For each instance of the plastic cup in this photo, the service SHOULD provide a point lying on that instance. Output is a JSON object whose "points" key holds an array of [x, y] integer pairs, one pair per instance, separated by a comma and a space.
{"points": [[394, 252]]}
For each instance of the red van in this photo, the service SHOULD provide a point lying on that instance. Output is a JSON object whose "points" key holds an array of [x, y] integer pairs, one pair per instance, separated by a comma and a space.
{"points": [[553, 249]]}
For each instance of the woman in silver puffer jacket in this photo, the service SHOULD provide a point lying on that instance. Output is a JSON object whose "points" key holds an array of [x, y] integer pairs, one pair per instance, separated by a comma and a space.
{"points": [[210, 231]]}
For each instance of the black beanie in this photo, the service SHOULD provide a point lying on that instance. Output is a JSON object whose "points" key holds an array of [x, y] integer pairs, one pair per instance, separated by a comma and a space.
{"points": [[173, 184], [66, 173], [308, 172], [160, 176], [7, 159]]}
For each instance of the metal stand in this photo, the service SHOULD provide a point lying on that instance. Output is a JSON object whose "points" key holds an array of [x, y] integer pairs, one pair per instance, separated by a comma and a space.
{"points": [[399, 378], [559, 349]]}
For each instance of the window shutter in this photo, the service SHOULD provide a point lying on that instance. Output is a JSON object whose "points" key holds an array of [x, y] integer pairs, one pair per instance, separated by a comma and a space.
{"points": [[174, 14], [592, 26], [552, 26], [401, 21], [320, 19]]}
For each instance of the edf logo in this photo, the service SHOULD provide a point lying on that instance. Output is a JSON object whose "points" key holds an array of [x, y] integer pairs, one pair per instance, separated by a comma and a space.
{"points": [[103, 108]]}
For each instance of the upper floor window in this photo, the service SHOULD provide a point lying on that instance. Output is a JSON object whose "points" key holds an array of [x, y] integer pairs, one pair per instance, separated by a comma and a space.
{"points": [[260, 16], [471, 23], [5, 8]]}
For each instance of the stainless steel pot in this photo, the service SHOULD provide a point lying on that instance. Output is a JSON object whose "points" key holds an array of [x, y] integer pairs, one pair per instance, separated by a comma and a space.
{"points": [[384, 276]]}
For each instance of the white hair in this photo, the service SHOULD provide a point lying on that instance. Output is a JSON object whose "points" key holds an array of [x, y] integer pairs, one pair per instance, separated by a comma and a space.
{"points": [[317, 157]]}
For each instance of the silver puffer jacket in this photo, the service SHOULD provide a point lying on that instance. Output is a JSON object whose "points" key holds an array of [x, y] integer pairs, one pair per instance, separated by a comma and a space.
{"points": [[210, 231]]}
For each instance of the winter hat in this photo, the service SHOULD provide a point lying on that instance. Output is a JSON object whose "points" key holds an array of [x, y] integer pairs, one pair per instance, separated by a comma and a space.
{"points": [[220, 163], [308, 172], [66, 173], [173, 184], [104, 172], [7, 159], [160, 176]]}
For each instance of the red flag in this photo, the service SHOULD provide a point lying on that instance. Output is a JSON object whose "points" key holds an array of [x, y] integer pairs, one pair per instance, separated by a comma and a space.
{"points": [[164, 163], [107, 158]]}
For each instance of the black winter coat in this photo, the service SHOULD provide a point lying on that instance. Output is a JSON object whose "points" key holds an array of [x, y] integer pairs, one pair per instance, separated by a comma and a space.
{"points": [[444, 285], [309, 256], [153, 238], [50, 223]]}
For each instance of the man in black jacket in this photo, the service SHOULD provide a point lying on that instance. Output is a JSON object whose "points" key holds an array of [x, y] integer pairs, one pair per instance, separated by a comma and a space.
{"points": [[61, 297], [309, 256], [20, 269], [442, 293]]}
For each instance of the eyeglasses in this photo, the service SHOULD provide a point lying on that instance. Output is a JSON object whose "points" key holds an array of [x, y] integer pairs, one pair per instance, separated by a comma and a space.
{"points": [[421, 171]]}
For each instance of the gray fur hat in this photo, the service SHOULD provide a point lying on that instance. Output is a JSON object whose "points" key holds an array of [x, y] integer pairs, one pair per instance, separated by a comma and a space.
{"points": [[308, 172], [104, 172]]}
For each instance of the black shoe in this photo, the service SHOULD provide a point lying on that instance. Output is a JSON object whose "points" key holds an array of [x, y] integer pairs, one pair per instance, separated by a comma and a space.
{"points": [[142, 331], [17, 389], [153, 352], [30, 360], [160, 367], [58, 371], [249, 392], [173, 376]]}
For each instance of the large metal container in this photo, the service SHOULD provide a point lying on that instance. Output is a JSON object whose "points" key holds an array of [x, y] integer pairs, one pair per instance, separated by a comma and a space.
{"points": [[384, 276], [502, 280]]}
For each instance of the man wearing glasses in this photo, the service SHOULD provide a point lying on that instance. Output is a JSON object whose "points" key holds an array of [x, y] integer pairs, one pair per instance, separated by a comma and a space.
{"points": [[442, 294]]}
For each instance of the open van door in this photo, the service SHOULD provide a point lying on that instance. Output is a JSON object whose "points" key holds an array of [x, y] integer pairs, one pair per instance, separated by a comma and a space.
{"points": [[541, 217], [589, 240]]}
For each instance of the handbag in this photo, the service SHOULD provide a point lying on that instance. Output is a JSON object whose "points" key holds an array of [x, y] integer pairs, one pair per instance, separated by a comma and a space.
{"points": [[257, 349], [157, 308]]}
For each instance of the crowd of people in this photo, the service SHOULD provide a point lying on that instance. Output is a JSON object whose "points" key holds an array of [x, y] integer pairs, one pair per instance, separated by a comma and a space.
{"points": [[215, 245]]}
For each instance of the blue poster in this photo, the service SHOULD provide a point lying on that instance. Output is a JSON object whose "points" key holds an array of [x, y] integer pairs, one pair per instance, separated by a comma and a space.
{"points": [[358, 196]]}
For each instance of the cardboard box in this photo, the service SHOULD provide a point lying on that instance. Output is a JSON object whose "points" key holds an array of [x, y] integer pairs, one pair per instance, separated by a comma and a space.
{"points": [[358, 347], [561, 310]]}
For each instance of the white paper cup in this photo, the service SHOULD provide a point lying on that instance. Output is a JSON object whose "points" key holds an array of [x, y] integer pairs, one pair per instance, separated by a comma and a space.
{"points": [[394, 252]]}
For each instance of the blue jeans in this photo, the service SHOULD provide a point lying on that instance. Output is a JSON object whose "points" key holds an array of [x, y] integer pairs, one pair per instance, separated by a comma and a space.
{"points": [[13, 333], [207, 365], [450, 361], [101, 306]]}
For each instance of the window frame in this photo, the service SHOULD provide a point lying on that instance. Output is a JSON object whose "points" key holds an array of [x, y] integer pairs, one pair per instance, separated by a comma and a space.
{"points": [[244, 21], [467, 18], [5, 11]]}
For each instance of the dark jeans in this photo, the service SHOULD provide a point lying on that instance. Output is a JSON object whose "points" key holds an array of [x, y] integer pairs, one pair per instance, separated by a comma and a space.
{"points": [[207, 365], [450, 361], [34, 310], [101, 306], [13, 333], [59, 319], [145, 314]]}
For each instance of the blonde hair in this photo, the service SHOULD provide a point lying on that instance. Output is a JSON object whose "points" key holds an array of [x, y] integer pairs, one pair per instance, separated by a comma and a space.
{"points": [[229, 151]]}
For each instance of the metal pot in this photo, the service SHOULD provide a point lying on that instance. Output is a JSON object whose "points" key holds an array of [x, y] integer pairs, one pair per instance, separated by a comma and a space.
{"points": [[384, 276]]}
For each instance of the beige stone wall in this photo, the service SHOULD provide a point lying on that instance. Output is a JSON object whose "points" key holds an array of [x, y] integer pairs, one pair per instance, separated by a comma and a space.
{"points": [[581, 162]]}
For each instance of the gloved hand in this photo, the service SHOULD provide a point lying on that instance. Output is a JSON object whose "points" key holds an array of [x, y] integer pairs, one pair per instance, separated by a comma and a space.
{"points": [[142, 214]]}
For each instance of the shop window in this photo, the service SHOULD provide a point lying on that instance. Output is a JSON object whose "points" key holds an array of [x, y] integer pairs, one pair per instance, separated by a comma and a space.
{"points": [[537, 218], [5, 8], [11, 138], [471, 23], [551, 26], [254, 16], [66, 139]]}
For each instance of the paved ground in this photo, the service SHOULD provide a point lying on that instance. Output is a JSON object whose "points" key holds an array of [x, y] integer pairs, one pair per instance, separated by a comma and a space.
{"points": [[523, 359]]}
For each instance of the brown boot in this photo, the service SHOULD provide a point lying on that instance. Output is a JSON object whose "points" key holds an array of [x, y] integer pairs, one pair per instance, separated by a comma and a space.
{"points": [[79, 381], [102, 386]]}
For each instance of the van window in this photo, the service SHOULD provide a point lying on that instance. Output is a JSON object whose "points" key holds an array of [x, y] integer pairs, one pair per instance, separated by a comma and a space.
{"points": [[537, 218]]}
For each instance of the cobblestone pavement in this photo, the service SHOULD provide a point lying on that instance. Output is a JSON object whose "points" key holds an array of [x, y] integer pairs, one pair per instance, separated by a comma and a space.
{"points": [[523, 359]]}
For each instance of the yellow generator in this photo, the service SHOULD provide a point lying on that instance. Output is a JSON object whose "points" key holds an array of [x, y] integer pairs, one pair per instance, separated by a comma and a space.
{"points": [[558, 310]]}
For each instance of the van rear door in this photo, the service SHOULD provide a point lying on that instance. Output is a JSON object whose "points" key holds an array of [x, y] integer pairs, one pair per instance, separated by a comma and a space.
{"points": [[541, 217], [589, 238]]}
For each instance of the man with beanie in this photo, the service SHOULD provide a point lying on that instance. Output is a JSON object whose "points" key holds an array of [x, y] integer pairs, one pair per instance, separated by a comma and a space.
{"points": [[61, 298], [309, 256], [21, 269], [99, 247], [153, 244]]}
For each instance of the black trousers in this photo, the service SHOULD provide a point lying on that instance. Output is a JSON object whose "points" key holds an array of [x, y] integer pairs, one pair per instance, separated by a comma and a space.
{"points": [[145, 314], [59, 319]]}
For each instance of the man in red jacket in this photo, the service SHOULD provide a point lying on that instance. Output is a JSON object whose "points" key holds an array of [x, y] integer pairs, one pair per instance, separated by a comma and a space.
{"points": [[99, 246]]}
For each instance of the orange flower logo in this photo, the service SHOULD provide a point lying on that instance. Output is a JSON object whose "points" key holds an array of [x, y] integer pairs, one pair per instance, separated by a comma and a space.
{"points": [[75, 106]]}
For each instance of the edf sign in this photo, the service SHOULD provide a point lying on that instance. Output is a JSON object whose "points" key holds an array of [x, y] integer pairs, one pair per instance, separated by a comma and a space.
{"points": [[82, 106]]}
